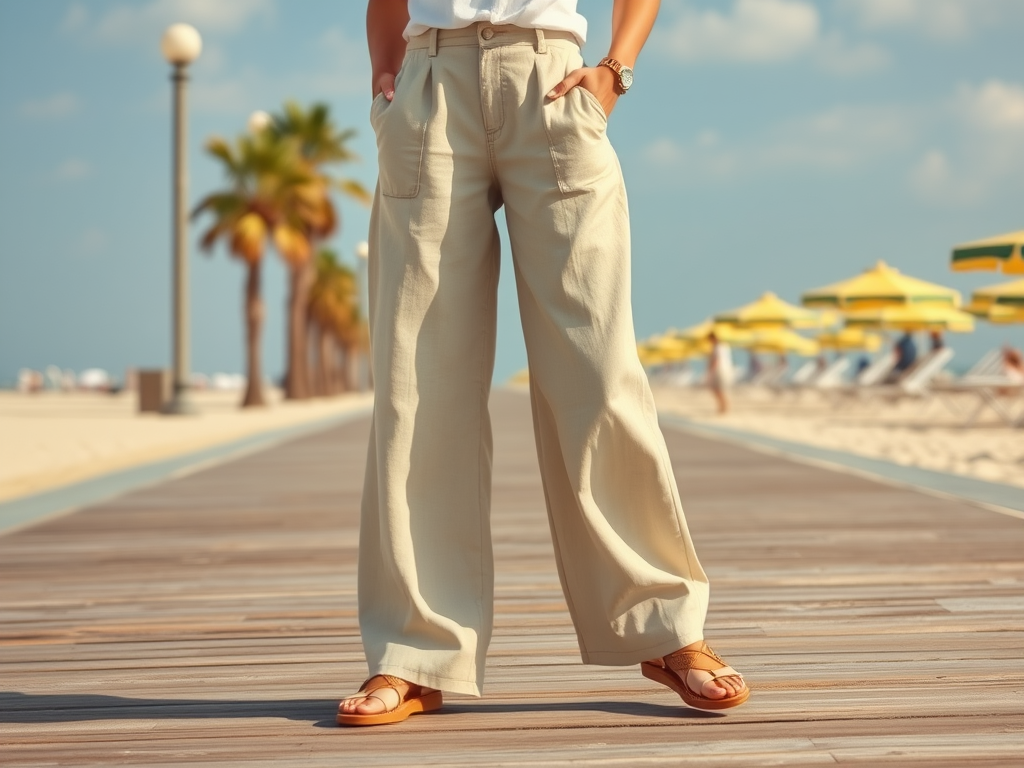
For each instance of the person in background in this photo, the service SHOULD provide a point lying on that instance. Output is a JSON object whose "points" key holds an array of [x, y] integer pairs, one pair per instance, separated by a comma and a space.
{"points": [[719, 371], [1013, 364], [862, 364], [937, 342], [906, 356]]}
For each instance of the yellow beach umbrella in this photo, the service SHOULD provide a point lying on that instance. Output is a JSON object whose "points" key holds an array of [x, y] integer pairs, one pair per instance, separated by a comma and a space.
{"points": [[783, 340], [520, 377], [880, 286], [649, 356], [997, 314], [993, 253], [854, 338], [914, 317], [1003, 303], [666, 348], [770, 311], [726, 333]]}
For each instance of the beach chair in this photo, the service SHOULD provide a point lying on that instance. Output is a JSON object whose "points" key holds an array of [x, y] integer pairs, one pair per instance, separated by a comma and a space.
{"points": [[992, 388], [804, 375], [876, 372], [998, 393], [776, 377], [759, 379], [870, 377], [990, 364], [680, 377], [918, 380], [803, 378], [833, 376], [915, 382]]}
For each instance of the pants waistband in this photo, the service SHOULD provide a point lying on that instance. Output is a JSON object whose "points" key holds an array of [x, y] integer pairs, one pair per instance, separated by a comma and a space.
{"points": [[487, 35]]}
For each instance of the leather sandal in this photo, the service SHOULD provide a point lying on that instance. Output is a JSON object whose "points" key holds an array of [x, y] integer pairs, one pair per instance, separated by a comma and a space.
{"points": [[413, 702], [705, 660]]}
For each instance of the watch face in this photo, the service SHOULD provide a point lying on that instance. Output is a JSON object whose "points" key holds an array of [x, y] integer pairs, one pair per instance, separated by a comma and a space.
{"points": [[626, 78]]}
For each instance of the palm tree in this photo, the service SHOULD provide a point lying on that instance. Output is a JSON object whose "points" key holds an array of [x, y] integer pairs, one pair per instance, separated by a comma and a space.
{"points": [[320, 143], [334, 314], [270, 197]]}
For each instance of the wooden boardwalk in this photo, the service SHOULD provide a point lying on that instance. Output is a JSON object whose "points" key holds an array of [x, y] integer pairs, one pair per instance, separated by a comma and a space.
{"points": [[211, 620]]}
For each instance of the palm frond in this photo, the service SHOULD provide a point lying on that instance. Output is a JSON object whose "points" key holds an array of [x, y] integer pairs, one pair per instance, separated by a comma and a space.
{"points": [[353, 189]]}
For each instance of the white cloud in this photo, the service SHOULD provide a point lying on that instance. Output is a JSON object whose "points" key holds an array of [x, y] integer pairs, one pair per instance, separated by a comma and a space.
{"points": [[964, 149], [834, 141], [939, 19], [932, 179], [54, 107], [836, 55], [73, 169], [754, 30], [765, 31], [994, 107], [341, 69], [134, 23], [984, 156]]}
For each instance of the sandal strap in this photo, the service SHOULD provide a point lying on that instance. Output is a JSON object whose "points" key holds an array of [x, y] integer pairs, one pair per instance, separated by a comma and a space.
{"points": [[387, 707], [704, 659], [390, 682]]}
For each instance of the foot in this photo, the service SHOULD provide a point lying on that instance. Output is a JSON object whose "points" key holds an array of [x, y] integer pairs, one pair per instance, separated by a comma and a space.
{"points": [[380, 694], [721, 683]]}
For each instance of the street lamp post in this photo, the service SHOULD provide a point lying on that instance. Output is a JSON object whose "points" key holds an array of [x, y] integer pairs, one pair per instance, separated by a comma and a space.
{"points": [[363, 255], [181, 45]]}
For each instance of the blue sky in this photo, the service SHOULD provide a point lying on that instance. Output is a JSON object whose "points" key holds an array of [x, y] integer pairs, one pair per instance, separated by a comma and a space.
{"points": [[767, 144]]}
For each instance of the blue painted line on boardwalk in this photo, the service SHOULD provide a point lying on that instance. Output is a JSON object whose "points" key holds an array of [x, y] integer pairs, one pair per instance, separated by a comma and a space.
{"points": [[28, 510], [1006, 498]]}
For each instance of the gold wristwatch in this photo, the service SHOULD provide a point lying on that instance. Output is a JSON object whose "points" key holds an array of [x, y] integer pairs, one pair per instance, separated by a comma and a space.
{"points": [[622, 72]]}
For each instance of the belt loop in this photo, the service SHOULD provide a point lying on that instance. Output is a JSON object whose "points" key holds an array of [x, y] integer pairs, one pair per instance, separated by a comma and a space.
{"points": [[542, 46], [432, 47]]}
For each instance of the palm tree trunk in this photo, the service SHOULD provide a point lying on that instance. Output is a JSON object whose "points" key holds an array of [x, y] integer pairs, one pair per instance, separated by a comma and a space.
{"points": [[348, 367], [339, 366], [253, 338], [313, 351], [297, 377], [343, 366], [324, 363]]}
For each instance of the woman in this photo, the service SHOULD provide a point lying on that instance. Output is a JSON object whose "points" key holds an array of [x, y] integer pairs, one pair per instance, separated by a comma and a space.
{"points": [[478, 106]]}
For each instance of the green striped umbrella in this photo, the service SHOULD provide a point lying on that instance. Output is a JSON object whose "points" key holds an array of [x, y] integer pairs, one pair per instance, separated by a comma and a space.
{"points": [[993, 253]]}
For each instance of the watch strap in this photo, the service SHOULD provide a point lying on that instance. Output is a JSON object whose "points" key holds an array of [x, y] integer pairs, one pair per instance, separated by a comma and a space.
{"points": [[615, 66]]}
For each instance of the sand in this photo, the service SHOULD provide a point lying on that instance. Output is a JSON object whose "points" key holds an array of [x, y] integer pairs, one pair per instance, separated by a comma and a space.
{"points": [[926, 432], [52, 439]]}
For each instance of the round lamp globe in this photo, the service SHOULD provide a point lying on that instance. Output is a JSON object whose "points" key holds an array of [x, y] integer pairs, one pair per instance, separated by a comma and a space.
{"points": [[181, 44], [259, 121]]}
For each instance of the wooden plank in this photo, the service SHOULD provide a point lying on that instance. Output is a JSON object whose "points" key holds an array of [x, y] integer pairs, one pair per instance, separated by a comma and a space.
{"points": [[211, 620]]}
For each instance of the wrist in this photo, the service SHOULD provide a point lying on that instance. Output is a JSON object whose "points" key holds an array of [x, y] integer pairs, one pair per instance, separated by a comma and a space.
{"points": [[624, 58], [622, 73]]}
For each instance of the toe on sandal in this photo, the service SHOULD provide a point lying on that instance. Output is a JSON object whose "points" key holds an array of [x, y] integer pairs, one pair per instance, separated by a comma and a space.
{"points": [[705, 660], [414, 702]]}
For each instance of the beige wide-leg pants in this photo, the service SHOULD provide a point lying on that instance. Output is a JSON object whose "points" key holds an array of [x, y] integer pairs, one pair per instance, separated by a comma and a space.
{"points": [[470, 130]]}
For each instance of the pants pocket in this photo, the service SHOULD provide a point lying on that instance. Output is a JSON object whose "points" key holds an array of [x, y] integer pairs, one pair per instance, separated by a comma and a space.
{"points": [[400, 126], [576, 125]]}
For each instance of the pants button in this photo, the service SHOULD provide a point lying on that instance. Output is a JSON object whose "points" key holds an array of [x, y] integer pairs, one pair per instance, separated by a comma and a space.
{"points": [[487, 33]]}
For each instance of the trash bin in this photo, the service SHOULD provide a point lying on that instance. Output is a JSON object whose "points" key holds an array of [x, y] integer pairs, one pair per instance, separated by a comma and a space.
{"points": [[154, 390]]}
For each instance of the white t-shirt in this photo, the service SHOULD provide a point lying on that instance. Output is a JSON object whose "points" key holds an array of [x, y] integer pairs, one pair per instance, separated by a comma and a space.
{"points": [[558, 15]]}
